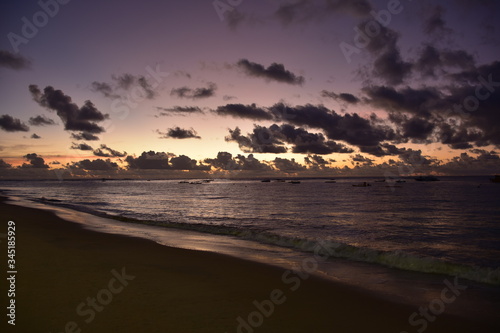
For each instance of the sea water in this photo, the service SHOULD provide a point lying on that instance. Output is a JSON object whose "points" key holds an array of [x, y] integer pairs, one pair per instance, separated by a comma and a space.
{"points": [[449, 227]]}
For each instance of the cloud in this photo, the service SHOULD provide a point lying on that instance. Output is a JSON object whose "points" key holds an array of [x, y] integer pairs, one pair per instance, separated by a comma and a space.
{"points": [[178, 133], [95, 165], [148, 160], [274, 139], [350, 128], [275, 72], [287, 166], [84, 136], [10, 124], [179, 110], [123, 84], [183, 162], [41, 121], [226, 161], [296, 12], [304, 11], [388, 64], [75, 118], [203, 92], [81, 146], [260, 141], [342, 97], [105, 151], [390, 67], [416, 101], [316, 162], [4, 165], [160, 160], [360, 159], [434, 62], [435, 24], [13, 61], [360, 8], [104, 88], [243, 111], [35, 161], [35, 136]]}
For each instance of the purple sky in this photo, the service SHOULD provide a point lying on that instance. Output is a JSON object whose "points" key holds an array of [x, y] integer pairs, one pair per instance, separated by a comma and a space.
{"points": [[293, 84]]}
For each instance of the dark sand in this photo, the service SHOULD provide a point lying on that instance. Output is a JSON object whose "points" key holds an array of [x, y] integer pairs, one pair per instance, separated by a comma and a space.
{"points": [[60, 265]]}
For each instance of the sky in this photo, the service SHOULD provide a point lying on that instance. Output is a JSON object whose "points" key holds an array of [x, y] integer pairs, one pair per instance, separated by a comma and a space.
{"points": [[147, 89]]}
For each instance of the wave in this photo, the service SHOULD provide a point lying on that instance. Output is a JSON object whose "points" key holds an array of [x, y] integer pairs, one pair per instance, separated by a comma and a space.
{"points": [[394, 259]]}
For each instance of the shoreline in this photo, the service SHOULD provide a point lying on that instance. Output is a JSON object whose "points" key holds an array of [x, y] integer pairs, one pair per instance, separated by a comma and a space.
{"points": [[178, 290]]}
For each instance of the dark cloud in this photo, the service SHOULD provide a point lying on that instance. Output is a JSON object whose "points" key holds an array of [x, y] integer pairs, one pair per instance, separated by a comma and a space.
{"points": [[105, 151], [296, 12], [10, 124], [462, 114], [275, 72], [382, 44], [260, 141], [360, 159], [226, 161], [179, 133], [4, 165], [153, 160], [390, 67], [359, 8], [305, 142], [178, 110], [84, 136], [97, 165], [415, 158], [81, 146], [13, 61], [434, 62], [104, 88], [287, 166], [41, 121], [122, 84], [274, 139], [417, 129], [304, 11], [35, 161], [316, 162], [148, 160], [75, 118], [183, 162], [243, 111], [35, 136], [203, 92], [251, 163], [416, 101], [435, 24], [350, 128], [342, 97]]}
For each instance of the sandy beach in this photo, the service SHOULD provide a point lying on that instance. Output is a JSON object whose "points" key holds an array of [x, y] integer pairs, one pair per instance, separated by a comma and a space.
{"points": [[75, 280]]}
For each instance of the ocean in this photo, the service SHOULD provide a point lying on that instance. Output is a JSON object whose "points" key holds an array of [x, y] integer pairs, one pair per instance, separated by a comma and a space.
{"points": [[385, 232]]}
